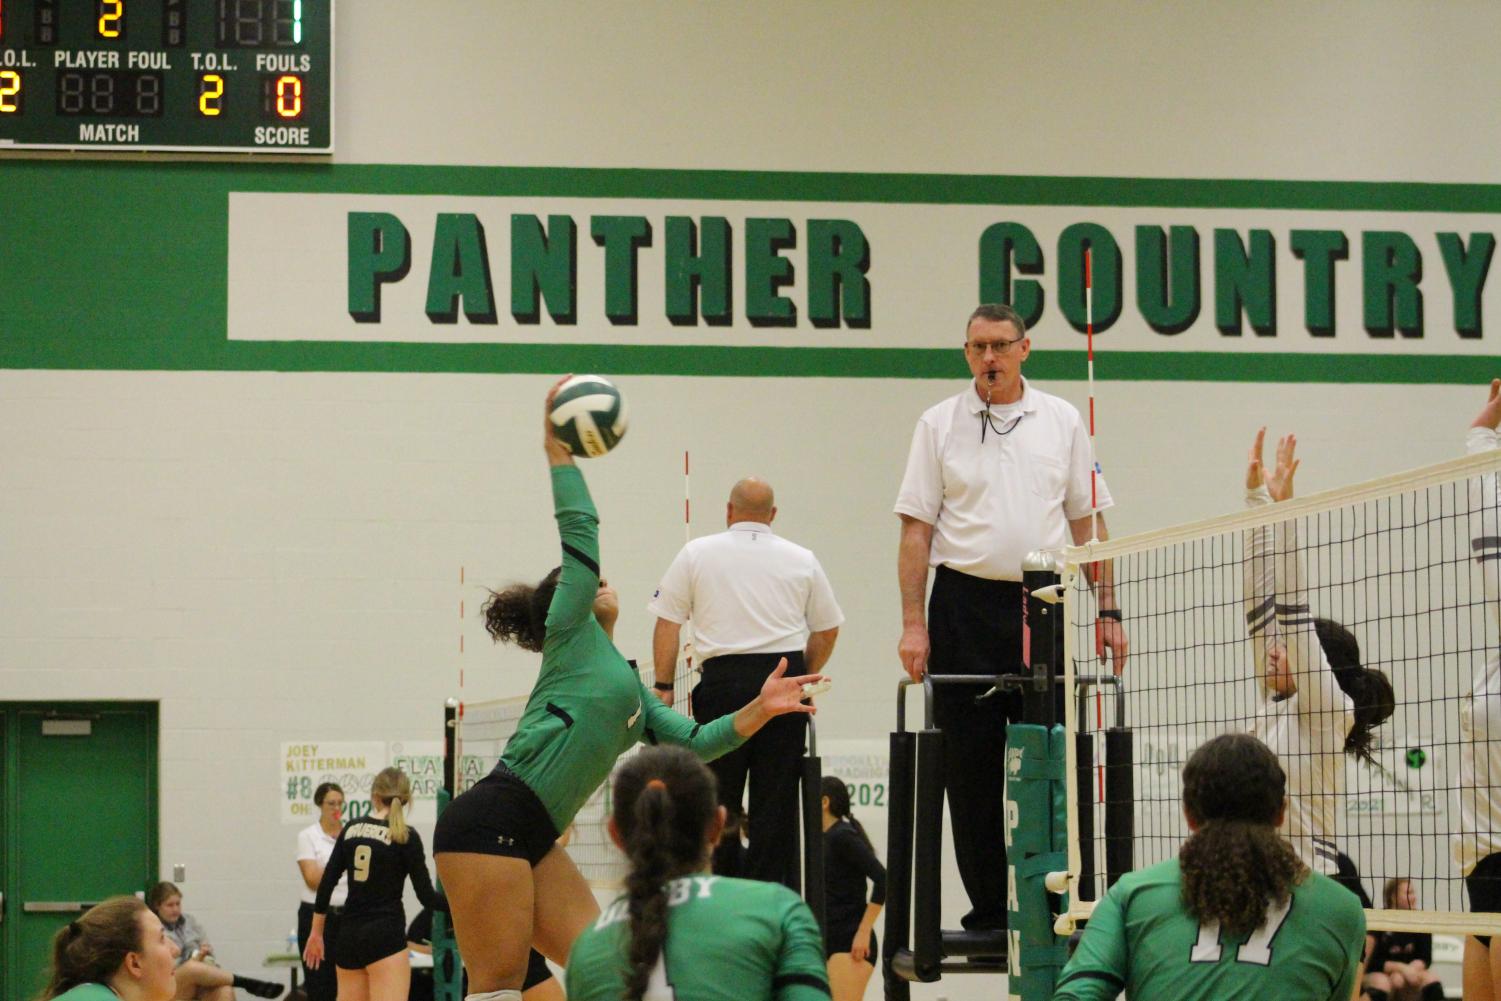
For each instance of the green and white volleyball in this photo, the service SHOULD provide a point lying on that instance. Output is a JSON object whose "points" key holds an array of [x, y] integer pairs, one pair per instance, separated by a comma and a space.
{"points": [[588, 415]]}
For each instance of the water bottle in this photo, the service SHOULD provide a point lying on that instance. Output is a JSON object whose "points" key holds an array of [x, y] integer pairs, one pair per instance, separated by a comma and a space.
{"points": [[292, 942]]}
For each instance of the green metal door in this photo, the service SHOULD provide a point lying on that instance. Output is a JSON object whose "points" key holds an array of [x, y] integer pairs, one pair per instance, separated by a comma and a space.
{"points": [[79, 821]]}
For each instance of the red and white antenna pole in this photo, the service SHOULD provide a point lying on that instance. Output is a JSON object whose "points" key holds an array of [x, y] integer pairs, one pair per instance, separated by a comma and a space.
{"points": [[687, 538], [1094, 465]]}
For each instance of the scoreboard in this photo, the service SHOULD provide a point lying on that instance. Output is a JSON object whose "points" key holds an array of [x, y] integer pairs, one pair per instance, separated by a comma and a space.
{"points": [[241, 76]]}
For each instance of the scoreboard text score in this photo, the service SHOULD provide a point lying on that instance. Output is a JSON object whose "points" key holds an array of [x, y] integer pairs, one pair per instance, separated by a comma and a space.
{"points": [[184, 75]]}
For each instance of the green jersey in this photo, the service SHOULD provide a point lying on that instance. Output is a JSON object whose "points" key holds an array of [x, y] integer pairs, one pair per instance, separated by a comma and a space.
{"points": [[1141, 940], [88, 992], [589, 705], [727, 940]]}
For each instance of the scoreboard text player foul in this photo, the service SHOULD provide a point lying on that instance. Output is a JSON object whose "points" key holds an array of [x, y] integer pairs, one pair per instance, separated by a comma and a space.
{"points": [[236, 76]]}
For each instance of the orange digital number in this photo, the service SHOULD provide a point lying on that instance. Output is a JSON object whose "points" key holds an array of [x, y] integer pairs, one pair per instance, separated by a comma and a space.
{"points": [[10, 88], [210, 94], [111, 13], [289, 96]]}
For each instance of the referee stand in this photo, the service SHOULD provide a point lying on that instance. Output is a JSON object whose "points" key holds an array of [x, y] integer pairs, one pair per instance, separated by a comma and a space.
{"points": [[916, 947]]}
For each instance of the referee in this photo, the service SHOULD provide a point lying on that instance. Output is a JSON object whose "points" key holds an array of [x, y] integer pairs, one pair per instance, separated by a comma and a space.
{"points": [[994, 473], [754, 599]]}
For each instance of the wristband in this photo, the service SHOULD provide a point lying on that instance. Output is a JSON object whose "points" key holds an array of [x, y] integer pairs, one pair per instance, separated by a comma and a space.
{"points": [[664, 686], [1109, 613]]}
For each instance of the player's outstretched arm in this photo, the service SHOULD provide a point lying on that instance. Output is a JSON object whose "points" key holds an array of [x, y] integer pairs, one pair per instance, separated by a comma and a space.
{"points": [[1485, 500], [1261, 585]]}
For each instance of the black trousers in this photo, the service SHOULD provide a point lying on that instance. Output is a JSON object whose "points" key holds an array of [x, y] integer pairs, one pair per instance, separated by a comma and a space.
{"points": [[975, 627], [770, 760], [321, 984]]}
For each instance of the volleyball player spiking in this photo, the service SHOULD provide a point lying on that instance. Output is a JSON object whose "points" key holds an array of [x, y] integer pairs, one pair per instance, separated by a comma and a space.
{"points": [[509, 883]]}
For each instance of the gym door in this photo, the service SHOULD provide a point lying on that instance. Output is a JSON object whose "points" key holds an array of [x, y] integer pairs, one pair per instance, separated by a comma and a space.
{"points": [[78, 821]]}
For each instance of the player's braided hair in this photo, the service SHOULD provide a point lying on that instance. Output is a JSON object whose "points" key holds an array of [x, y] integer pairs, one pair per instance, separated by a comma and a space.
{"points": [[91, 949], [519, 613], [839, 804], [1236, 865], [1368, 688], [665, 801]]}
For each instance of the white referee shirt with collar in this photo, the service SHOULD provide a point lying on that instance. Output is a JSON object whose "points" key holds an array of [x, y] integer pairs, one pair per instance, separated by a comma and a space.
{"points": [[314, 844], [992, 502], [747, 590]]}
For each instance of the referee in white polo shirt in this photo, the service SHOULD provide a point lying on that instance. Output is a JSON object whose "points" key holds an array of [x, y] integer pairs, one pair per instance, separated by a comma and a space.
{"points": [[754, 598], [995, 472]]}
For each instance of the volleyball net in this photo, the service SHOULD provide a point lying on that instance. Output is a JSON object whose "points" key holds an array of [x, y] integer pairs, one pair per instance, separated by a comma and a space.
{"points": [[1223, 620]]}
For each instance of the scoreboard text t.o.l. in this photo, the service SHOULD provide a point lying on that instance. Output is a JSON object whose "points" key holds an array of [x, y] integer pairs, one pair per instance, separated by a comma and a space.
{"points": [[240, 76]]}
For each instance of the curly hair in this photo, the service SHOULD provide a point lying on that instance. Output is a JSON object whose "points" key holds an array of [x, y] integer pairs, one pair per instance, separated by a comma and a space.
{"points": [[519, 613], [1369, 689], [1236, 865], [665, 800]]}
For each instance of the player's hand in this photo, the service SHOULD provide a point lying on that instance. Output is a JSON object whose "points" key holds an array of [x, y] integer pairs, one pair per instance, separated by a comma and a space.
{"points": [[665, 696], [1254, 476], [1114, 645], [1279, 482], [313, 954], [913, 650], [557, 452], [1490, 414], [785, 695], [860, 947]]}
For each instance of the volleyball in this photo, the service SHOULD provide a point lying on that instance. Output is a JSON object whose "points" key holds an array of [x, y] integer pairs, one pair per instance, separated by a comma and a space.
{"points": [[588, 415]]}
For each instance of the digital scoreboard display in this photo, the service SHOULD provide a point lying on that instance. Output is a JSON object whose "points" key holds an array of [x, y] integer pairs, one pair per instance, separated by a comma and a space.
{"points": [[241, 76]]}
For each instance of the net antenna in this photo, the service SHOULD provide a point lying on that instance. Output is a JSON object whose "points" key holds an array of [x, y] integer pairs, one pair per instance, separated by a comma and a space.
{"points": [[687, 538]]}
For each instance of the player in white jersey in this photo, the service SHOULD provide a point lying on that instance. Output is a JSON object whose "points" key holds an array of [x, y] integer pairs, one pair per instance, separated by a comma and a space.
{"points": [[1477, 846], [1319, 702]]}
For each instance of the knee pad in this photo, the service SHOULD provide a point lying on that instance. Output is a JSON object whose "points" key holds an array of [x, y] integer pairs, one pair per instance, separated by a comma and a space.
{"points": [[506, 995]]}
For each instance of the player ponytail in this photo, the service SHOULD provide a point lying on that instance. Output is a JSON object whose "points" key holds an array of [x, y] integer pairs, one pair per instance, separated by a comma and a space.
{"points": [[92, 949], [665, 805], [1369, 689], [1236, 865], [838, 795], [519, 613], [392, 787]]}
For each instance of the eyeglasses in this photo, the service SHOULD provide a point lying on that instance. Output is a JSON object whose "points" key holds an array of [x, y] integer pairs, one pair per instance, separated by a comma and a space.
{"points": [[1000, 346]]}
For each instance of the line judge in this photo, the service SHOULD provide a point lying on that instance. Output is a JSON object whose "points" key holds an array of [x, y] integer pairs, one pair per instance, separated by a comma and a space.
{"points": [[754, 599], [993, 473]]}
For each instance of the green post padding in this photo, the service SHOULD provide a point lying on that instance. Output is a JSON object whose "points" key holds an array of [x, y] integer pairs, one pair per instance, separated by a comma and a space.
{"points": [[448, 970], [1036, 844]]}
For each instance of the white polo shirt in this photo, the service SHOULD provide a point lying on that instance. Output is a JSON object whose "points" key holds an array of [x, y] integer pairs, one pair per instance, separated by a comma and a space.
{"points": [[314, 845], [990, 504], [747, 591]]}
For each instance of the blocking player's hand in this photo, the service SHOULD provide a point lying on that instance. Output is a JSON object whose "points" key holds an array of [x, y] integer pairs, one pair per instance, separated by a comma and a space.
{"points": [[1254, 473], [913, 650], [1490, 414], [1279, 482]]}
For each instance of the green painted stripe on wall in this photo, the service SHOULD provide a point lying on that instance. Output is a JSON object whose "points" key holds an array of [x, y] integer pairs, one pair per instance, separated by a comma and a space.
{"points": [[114, 265]]}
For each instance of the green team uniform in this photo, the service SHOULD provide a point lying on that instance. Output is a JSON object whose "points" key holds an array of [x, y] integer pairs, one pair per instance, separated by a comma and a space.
{"points": [[589, 705], [727, 940], [1142, 940]]}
